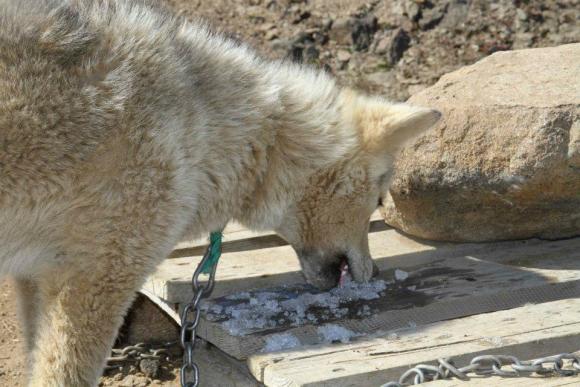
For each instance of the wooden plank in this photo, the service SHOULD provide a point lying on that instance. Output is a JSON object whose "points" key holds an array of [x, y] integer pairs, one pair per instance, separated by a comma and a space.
{"points": [[262, 267], [238, 238], [537, 271], [167, 308], [527, 332], [236, 241], [266, 266], [444, 286], [236, 272], [250, 241], [271, 266], [220, 370], [245, 264]]}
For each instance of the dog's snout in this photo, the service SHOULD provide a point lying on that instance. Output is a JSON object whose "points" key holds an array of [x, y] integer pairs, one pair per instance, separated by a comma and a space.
{"points": [[321, 269]]}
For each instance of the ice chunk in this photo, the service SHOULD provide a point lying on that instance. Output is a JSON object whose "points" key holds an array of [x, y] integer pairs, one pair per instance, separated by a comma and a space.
{"points": [[401, 275], [332, 333], [281, 341]]}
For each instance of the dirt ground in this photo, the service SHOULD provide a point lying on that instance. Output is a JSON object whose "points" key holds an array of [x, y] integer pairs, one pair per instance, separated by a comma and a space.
{"points": [[11, 345], [391, 47]]}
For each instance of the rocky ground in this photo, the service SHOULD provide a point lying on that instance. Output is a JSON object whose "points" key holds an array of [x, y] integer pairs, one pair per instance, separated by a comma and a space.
{"points": [[395, 47], [391, 47]]}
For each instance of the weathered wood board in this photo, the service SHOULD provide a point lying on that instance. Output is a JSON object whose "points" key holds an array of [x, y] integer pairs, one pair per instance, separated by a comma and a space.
{"points": [[527, 332], [447, 283], [232, 241], [220, 370], [237, 238], [271, 266], [444, 286], [245, 264]]}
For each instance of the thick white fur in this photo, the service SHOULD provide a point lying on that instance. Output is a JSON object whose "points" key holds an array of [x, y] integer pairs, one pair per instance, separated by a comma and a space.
{"points": [[124, 130]]}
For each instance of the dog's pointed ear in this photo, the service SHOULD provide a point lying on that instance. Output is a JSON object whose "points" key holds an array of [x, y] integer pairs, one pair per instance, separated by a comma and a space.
{"points": [[386, 126]]}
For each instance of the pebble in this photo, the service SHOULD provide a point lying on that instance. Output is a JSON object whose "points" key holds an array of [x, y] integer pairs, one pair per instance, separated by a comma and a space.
{"points": [[271, 34], [363, 31], [343, 55], [521, 14], [150, 367], [393, 45], [311, 53], [340, 31], [431, 17]]}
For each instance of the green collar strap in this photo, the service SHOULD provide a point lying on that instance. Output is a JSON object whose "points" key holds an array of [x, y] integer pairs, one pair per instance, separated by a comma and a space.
{"points": [[215, 251]]}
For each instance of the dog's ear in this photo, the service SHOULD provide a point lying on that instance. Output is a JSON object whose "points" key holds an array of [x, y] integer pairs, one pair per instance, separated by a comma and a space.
{"points": [[385, 126]]}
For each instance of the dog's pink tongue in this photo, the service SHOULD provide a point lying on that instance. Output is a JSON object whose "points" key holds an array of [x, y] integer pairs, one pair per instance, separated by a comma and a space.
{"points": [[343, 273]]}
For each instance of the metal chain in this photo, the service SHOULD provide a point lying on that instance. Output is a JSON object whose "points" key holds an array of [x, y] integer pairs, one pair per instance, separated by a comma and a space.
{"points": [[490, 365], [189, 376], [136, 353]]}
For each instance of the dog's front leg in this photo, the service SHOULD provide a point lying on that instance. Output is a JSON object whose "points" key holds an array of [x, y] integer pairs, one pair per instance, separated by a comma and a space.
{"points": [[79, 320]]}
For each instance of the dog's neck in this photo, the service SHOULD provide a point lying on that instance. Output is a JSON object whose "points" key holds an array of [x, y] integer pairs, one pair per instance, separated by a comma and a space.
{"points": [[309, 132], [277, 124]]}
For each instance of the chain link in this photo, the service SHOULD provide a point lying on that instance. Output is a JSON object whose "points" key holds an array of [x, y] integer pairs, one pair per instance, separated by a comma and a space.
{"points": [[189, 376], [565, 364], [135, 353]]}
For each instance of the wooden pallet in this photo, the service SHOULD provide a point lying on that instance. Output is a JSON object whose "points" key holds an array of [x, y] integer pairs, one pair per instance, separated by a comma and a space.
{"points": [[526, 332], [456, 298]]}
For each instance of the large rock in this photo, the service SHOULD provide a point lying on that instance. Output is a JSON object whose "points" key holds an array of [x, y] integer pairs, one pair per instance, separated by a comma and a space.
{"points": [[504, 162]]}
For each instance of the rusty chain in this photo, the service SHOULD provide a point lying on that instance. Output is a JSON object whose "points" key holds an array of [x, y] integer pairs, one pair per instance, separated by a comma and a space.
{"points": [[565, 364]]}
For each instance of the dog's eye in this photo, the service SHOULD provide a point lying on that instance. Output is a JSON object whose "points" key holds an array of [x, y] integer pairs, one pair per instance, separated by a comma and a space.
{"points": [[380, 202]]}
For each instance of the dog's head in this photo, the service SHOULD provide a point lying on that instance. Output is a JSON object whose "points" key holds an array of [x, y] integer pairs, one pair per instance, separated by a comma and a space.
{"points": [[329, 223]]}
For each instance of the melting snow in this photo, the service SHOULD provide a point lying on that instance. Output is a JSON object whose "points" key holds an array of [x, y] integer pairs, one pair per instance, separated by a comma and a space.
{"points": [[247, 311], [331, 333], [281, 341]]}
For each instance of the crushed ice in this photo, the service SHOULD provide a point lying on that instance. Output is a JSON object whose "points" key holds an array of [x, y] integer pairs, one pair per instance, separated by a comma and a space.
{"points": [[245, 312], [332, 333], [281, 341]]}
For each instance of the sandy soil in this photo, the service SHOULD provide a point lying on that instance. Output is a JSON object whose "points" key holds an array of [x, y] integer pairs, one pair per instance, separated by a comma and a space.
{"points": [[12, 361]]}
